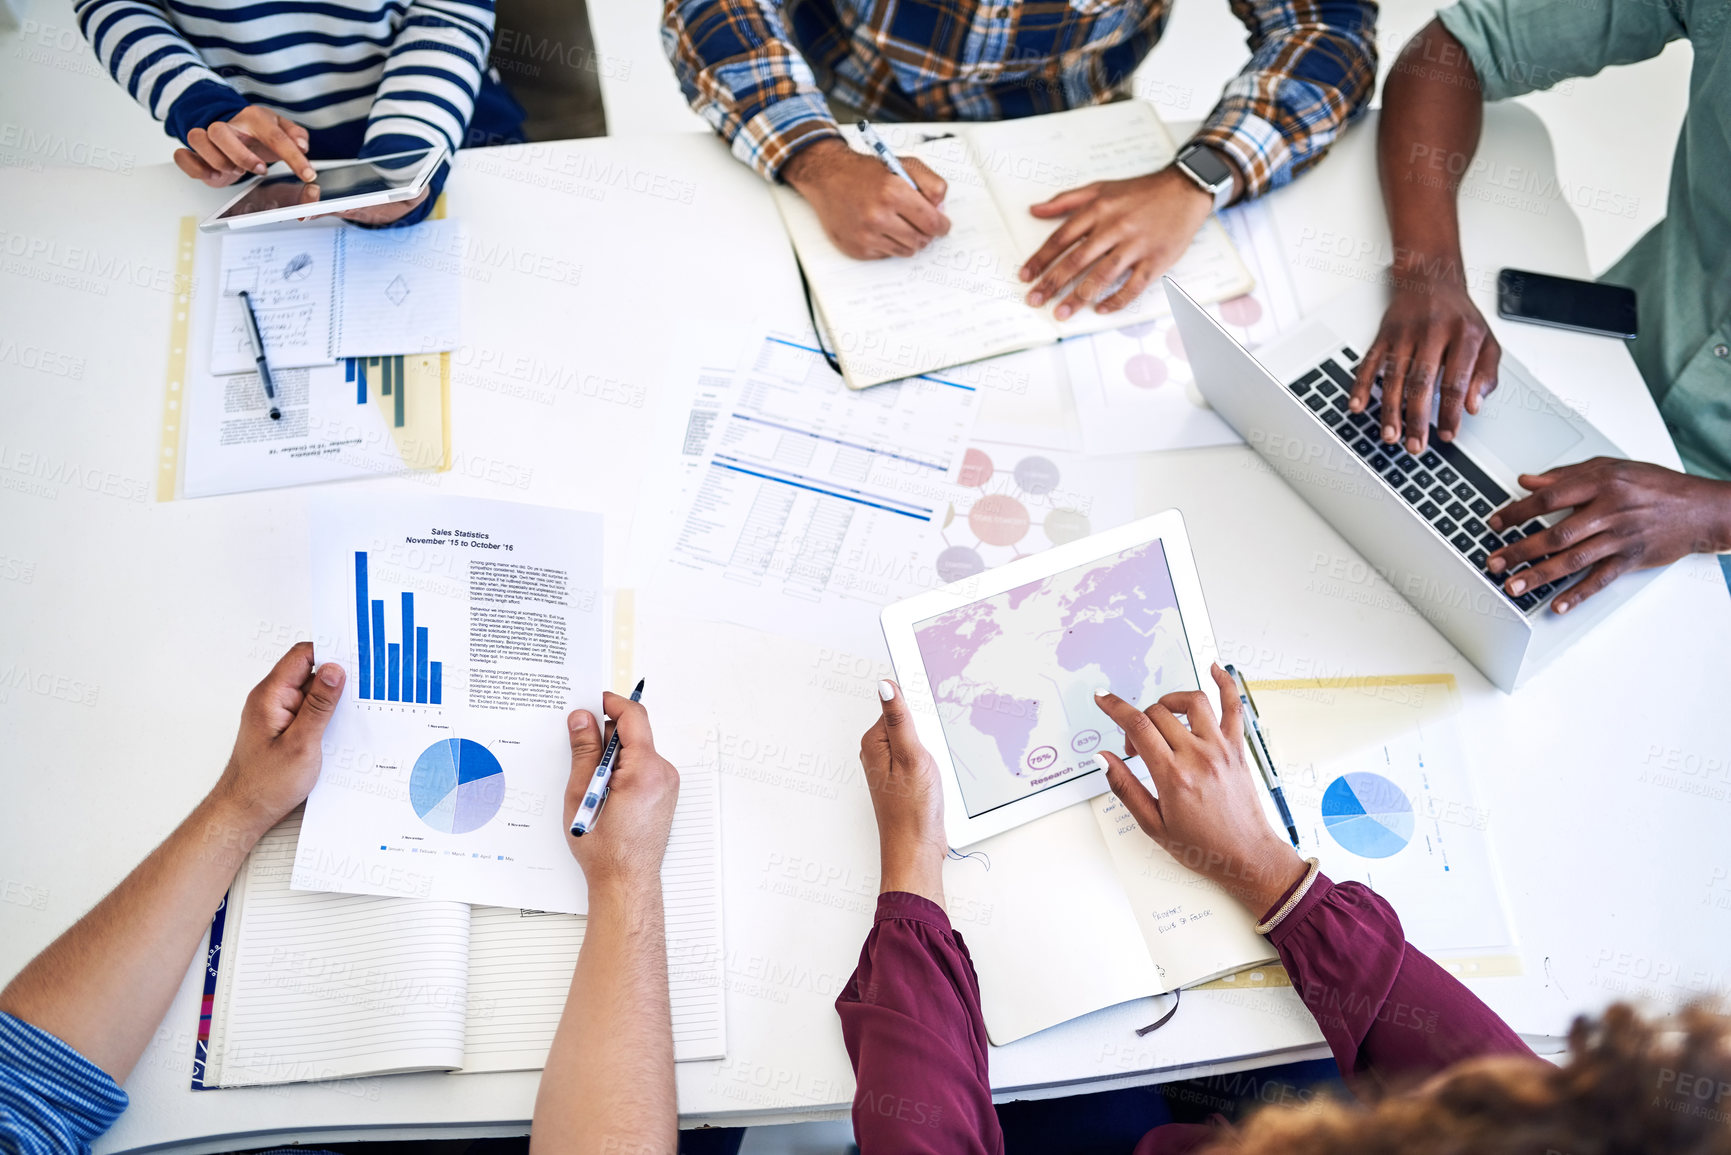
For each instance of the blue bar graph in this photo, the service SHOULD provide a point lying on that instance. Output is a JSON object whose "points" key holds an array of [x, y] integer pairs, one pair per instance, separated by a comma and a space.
{"points": [[400, 671], [363, 628], [421, 664], [408, 646], [378, 648], [391, 370]]}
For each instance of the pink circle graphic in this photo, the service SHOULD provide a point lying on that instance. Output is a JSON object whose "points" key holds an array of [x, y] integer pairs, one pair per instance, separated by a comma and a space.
{"points": [[1145, 371], [977, 469], [1242, 311], [1175, 343], [998, 519]]}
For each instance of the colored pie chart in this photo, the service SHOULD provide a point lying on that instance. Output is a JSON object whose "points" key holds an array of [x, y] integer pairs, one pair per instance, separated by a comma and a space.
{"points": [[456, 786], [1368, 815]]}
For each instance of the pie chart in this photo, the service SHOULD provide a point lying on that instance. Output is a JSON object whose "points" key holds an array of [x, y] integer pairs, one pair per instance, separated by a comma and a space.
{"points": [[456, 786], [1367, 814]]}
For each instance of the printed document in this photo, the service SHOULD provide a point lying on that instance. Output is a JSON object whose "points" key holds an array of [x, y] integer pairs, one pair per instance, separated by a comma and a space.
{"points": [[325, 292], [469, 629]]}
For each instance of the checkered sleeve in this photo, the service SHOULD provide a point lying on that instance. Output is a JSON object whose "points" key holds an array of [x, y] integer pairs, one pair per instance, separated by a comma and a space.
{"points": [[1312, 70], [743, 75]]}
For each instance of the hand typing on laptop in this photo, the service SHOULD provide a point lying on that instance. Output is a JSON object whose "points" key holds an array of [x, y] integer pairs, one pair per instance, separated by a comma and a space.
{"points": [[1625, 515], [1432, 336]]}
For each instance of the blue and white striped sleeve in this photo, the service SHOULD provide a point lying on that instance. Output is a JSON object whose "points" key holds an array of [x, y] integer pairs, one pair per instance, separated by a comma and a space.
{"points": [[148, 56], [53, 1101], [427, 92]]}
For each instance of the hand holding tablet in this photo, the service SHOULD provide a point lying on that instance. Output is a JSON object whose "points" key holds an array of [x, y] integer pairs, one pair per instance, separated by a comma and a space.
{"points": [[1000, 671], [374, 190]]}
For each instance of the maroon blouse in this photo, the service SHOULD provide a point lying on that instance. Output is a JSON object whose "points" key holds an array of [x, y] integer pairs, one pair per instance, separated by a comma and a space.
{"points": [[910, 1016]]}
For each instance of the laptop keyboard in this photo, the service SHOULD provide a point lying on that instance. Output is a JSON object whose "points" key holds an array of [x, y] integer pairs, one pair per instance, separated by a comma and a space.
{"points": [[1444, 485]]}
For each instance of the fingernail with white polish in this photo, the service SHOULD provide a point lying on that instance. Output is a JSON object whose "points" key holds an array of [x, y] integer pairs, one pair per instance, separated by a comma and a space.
{"points": [[1102, 691], [887, 690]]}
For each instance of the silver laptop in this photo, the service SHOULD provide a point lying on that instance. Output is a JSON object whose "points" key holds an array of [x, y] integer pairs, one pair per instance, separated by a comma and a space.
{"points": [[1420, 520]]}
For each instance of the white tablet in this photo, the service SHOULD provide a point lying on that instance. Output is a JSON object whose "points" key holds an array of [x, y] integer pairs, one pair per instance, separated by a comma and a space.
{"points": [[1000, 669], [279, 195]]}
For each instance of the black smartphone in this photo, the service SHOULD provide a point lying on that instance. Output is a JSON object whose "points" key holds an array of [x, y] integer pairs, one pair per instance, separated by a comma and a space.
{"points": [[1584, 306]]}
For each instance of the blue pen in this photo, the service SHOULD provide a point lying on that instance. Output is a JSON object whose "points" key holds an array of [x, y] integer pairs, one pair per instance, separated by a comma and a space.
{"points": [[601, 782], [877, 145], [1259, 750]]}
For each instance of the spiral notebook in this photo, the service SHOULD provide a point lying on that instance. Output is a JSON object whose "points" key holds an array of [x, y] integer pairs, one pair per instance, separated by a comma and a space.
{"points": [[323, 292], [302, 986]]}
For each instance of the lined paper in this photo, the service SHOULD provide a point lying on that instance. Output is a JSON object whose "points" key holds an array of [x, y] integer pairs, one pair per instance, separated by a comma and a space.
{"points": [[521, 961], [315, 985]]}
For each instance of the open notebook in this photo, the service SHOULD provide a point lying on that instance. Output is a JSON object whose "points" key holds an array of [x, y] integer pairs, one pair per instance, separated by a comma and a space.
{"points": [[960, 300], [1080, 910], [304, 985]]}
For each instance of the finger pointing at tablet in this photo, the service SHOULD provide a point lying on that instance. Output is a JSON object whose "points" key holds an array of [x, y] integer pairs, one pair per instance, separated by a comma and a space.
{"points": [[1205, 809]]}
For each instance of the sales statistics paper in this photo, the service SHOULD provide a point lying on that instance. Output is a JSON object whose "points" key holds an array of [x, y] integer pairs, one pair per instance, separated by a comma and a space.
{"points": [[469, 629]]}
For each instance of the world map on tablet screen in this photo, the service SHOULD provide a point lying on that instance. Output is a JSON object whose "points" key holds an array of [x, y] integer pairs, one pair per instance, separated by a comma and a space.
{"points": [[1014, 674]]}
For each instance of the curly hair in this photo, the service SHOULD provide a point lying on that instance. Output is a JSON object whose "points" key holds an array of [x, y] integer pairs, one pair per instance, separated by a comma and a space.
{"points": [[1630, 1087]]}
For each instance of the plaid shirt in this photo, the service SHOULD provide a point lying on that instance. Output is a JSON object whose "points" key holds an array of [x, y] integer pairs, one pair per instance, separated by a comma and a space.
{"points": [[757, 70]]}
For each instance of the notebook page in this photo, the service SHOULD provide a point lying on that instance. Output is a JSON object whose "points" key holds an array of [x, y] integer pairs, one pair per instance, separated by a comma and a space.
{"points": [[520, 964], [1194, 930], [1025, 162], [1056, 937], [956, 301], [289, 275], [326, 986], [520, 961], [401, 292]]}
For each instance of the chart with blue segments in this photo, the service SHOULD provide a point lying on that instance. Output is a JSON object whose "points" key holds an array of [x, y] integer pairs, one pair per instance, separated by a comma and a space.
{"points": [[457, 785], [1368, 815]]}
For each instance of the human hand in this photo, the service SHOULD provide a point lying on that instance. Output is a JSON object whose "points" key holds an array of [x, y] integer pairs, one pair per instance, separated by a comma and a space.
{"points": [[377, 215], [629, 840], [1139, 226], [1432, 331], [907, 800], [245, 143], [1206, 811], [278, 751], [1627, 515], [867, 210]]}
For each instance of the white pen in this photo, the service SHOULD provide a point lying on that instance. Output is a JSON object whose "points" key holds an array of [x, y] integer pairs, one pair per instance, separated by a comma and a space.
{"points": [[877, 145]]}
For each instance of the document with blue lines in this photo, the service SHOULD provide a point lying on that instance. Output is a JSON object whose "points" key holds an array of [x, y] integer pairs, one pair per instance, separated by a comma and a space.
{"points": [[817, 504]]}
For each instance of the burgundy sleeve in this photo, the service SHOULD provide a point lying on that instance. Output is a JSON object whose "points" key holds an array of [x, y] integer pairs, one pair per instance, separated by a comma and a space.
{"points": [[910, 1016], [1387, 1011]]}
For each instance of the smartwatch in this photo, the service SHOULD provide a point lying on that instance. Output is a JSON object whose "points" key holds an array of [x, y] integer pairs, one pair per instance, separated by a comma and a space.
{"points": [[1208, 171]]}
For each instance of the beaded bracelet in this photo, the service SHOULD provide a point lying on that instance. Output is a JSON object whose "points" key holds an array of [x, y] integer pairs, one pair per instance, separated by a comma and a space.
{"points": [[1312, 867]]}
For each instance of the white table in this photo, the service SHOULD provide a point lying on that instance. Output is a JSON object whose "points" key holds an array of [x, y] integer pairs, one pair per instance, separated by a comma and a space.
{"points": [[131, 630]]}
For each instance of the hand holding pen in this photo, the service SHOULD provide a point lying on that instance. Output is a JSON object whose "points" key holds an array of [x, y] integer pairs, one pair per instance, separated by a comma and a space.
{"points": [[638, 793]]}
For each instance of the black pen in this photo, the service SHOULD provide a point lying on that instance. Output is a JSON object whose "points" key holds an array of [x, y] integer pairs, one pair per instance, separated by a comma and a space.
{"points": [[1259, 751], [257, 338], [601, 782]]}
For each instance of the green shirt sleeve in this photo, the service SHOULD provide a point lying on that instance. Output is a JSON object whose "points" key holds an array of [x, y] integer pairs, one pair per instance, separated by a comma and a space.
{"points": [[1520, 46]]}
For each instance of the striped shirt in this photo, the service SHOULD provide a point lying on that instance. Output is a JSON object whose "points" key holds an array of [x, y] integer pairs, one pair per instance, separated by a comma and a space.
{"points": [[758, 70], [364, 77], [53, 1101]]}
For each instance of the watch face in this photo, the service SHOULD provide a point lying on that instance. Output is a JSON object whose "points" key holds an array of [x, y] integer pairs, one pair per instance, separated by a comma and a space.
{"points": [[1206, 164]]}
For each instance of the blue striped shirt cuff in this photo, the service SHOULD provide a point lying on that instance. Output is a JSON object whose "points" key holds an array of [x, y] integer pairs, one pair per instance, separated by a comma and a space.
{"points": [[53, 1101], [200, 106], [780, 132]]}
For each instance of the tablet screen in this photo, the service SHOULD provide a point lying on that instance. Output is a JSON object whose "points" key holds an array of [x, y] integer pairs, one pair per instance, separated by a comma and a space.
{"points": [[346, 180], [1014, 674]]}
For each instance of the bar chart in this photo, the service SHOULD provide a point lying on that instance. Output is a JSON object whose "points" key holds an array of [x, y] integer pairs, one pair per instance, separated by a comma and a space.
{"points": [[391, 374], [400, 671]]}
